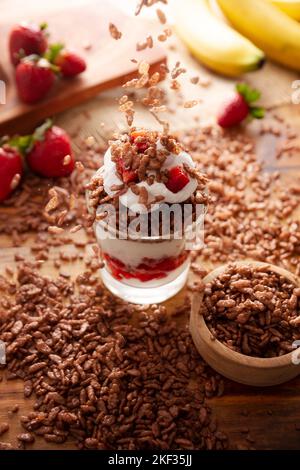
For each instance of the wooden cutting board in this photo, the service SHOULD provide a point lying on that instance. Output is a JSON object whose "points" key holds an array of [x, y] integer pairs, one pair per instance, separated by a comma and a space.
{"points": [[108, 60]]}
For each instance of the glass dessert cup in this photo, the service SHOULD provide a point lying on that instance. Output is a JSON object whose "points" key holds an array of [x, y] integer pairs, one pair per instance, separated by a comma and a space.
{"points": [[144, 201], [144, 270]]}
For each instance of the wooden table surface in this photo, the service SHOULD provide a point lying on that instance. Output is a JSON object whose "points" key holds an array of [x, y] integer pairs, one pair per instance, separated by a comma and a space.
{"points": [[270, 414]]}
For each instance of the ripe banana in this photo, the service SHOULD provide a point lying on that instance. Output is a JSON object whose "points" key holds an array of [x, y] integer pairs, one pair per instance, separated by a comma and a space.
{"points": [[212, 41], [268, 27], [290, 7]]}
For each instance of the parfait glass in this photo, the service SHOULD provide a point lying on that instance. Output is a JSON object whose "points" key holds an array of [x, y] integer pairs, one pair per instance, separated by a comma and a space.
{"points": [[142, 268]]}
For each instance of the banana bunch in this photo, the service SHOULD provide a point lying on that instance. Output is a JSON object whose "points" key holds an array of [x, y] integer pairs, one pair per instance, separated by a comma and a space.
{"points": [[257, 27], [290, 7]]}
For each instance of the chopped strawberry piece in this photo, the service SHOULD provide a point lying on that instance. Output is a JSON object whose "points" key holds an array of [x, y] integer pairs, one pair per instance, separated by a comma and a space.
{"points": [[178, 179], [128, 176], [144, 277], [120, 166], [135, 134], [136, 138]]}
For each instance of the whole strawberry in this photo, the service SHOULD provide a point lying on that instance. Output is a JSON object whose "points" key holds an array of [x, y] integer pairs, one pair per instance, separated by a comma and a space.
{"points": [[67, 62], [34, 78], [26, 39], [70, 63], [11, 170], [51, 154], [238, 107]]}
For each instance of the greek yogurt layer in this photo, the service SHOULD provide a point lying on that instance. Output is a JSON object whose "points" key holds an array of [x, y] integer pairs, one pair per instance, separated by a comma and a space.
{"points": [[132, 252]]}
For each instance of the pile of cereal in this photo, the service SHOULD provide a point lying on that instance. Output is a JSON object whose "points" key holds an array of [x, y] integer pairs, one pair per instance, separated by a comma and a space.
{"points": [[253, 310]]}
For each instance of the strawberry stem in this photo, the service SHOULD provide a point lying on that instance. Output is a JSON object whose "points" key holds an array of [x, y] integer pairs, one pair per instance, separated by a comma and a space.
{"points": [[39, 133], [43, 26], [24, 143], [21, 142], [251, 95], [248, 93], [257, 112], [53, 52]]}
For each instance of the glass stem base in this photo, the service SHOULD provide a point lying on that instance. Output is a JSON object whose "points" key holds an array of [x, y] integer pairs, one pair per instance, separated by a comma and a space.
{"points": [[144, 295]]}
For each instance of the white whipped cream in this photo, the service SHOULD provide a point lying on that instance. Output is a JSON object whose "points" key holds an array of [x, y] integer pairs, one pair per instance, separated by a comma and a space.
{"points": [[130, 200]]}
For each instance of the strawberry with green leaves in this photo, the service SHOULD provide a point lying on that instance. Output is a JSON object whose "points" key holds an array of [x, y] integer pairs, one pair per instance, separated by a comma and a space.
{"points": [[50, 153], [68, 63], [48, 150], [239, 106], [34, 78], [26, 39]]}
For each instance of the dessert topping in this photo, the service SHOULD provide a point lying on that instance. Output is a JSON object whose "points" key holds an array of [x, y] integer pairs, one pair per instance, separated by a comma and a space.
{"points": [[177, 180]]}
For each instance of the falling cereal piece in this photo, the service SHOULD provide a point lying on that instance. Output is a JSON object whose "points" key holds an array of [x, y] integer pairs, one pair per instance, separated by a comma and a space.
{"points": [[161, 16], [123, 99], [159, 109], [72, 201], [177, 70], [127, 108], [146, 3], [130, 83], [194, 80], [205, 82], [140, 46], [61, 217], [54, 229], [149, 41], [53, 203], [154, 79], [114, 32], [101, 215], [162, 37], [129, 117], [87, 45], [79, 166], [175, 85], [154, 97], [76, 228], [96, 249], [90, 141], [67, 160], [15, 181], [143, 68], [190, 104]]}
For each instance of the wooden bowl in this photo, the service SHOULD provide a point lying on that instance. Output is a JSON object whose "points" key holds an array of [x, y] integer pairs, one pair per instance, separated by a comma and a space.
{"points": [[233, 365]]}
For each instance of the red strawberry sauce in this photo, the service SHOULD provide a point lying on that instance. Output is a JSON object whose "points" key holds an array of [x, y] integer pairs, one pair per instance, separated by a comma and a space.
{"points": [[148, 270]]}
